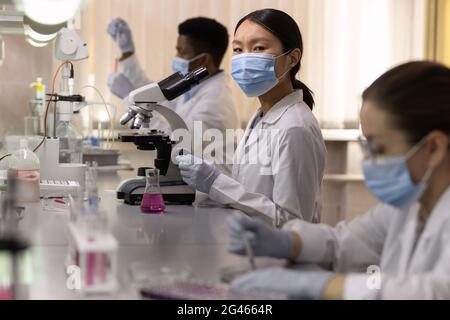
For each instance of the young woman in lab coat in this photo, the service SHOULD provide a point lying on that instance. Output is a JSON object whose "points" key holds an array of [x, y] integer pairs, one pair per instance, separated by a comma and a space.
{"points": [[400, 249], [267, 50]]}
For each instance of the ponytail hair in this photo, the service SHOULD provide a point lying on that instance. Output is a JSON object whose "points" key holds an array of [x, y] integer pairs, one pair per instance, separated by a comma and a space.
{"points": [[308, 95], [284, 27]]}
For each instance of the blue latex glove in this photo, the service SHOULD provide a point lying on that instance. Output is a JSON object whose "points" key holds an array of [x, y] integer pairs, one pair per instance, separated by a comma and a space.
{"points": [[199, 174], [264, 240], [119, 30], [119, 85], [294, 284]]}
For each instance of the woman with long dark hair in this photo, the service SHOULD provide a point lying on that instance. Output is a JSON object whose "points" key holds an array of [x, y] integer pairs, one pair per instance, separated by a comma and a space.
{"points": [[279, 164]]}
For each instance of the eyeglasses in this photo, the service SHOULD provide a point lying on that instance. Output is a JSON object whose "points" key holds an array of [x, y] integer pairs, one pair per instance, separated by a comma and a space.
{"points": [[370, 152]]}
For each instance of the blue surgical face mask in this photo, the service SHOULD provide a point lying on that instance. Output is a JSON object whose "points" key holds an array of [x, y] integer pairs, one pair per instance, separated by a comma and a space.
{"points": [[389, 179], [182, 65], [255, 72]]}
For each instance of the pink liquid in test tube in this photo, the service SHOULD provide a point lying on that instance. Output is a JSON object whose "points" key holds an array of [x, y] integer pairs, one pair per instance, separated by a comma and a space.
{"points": [[90, 268]]}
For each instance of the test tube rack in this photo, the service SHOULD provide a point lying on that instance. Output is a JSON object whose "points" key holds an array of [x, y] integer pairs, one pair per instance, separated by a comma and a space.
{"points": [[96, 257]]}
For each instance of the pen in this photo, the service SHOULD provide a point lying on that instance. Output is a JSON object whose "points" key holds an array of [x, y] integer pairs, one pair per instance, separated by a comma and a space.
{"points": [[250, 254]]}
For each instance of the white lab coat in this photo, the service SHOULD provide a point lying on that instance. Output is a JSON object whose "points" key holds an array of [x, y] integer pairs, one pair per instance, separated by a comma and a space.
{"points": [[291, 138], [385, 237], [211, 103]]}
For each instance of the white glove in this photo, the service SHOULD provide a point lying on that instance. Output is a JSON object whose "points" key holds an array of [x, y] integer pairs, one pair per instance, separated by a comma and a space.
{"points": [[264, 240], [119, 85], [294, 284], [199, 174], [119, 30]]}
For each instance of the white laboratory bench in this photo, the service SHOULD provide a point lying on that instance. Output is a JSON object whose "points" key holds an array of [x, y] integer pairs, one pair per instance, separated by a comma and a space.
{"points": [[183, 236]]}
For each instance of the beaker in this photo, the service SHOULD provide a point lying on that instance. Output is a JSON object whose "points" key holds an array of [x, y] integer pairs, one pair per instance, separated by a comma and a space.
{"points": [[152, 200]]}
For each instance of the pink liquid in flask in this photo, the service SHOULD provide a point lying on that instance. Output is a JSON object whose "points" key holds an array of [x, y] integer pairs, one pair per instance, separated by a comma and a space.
{"points": [[152, 203]]}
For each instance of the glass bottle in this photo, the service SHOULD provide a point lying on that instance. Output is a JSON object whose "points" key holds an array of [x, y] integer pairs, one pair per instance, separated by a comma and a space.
{"points": [[152, 200], [38, 105], [27, 166], [70, 143]]}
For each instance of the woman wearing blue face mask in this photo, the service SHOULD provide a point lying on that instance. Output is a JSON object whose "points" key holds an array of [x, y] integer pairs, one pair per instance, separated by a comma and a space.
{"points": [[279, 164], [400, 249]]}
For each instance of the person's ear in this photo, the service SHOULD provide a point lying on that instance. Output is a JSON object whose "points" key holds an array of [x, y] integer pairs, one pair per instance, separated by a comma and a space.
{"points": [[295, 57], [438, 144], [207, 59]]}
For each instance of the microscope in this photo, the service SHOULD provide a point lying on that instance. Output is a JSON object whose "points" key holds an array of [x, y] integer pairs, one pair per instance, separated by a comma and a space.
{"points": [[143, 102]]}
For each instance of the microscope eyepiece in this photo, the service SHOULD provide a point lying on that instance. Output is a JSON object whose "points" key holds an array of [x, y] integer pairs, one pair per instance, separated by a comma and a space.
{"points": [[176, 85]]}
